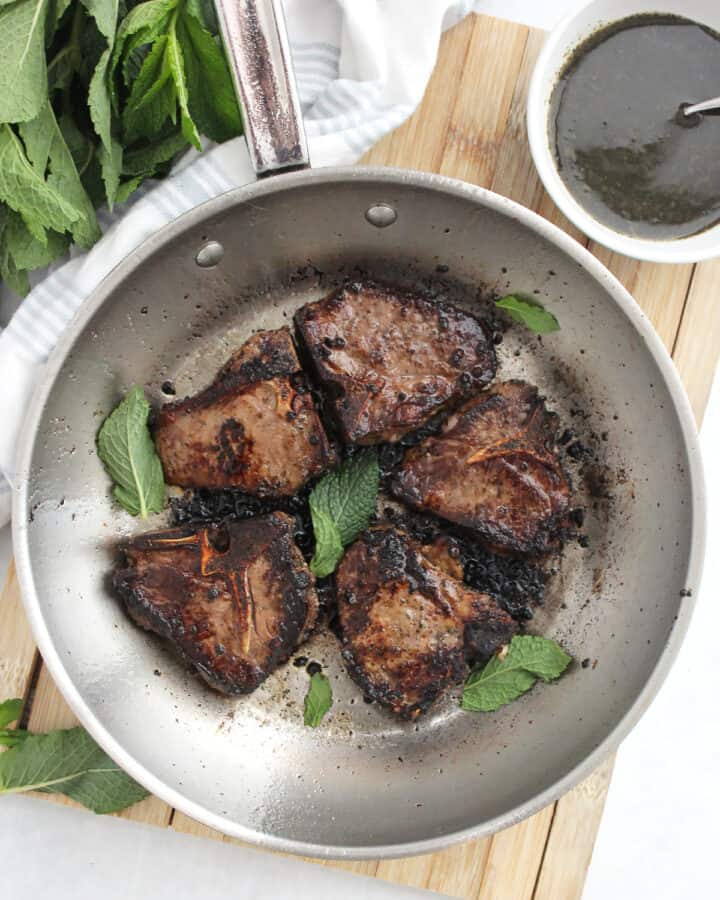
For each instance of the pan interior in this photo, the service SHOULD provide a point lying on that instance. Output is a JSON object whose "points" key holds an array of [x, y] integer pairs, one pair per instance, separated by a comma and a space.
{"points": [[363, 780]]}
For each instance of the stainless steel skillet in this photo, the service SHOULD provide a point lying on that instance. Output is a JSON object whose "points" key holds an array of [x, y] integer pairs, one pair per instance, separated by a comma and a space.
{"points": [[363, 785]]}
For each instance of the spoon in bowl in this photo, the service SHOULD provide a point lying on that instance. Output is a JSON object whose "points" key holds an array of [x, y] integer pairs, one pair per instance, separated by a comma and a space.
{"points": [[689, 114]]}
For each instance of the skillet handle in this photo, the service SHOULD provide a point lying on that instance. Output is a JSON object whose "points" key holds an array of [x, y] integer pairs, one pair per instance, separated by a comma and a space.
{"points": [[256, 42]]}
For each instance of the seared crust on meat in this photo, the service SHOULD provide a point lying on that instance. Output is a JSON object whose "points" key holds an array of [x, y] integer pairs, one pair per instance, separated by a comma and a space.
{"points": [[255, 427], [234, 600], [403, 622], [389, 360], [487, 625], [493, 468]]}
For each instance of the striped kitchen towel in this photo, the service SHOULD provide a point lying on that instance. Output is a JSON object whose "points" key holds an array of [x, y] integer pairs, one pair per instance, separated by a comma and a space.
{"points": [[362, 67]]}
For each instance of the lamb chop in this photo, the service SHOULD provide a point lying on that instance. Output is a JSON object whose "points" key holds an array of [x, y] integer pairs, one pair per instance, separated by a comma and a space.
{"points": [[403, 622], [390, 360], [235, 600], [493, 468], [254, 428]]}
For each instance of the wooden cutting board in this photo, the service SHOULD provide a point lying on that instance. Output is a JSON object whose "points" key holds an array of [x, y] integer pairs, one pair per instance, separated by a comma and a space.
{"points": [[470, 125]]}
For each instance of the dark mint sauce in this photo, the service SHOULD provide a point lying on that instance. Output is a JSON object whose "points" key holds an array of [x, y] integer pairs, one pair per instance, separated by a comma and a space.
{"points": [[618, 142]]}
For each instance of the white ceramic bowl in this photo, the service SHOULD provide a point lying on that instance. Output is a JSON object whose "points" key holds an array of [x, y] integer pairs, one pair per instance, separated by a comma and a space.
{"points": [[559, 45]]}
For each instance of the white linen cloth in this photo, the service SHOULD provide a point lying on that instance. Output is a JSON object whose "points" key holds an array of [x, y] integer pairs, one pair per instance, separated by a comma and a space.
{"points": [[106, 858], [362, 67]]}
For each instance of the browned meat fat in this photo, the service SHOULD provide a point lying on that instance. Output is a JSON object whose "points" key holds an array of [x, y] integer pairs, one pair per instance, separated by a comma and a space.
{"points": [[235, 600], [254, 428], [389, 360], [493, 468], [403, 622]]}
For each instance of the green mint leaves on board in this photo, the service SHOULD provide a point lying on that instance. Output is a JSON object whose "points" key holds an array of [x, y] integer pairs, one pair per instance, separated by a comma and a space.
{"points": [[23, 73], [530, 314], [511, 673], [10, 712], [318, 699], [341, 506], [128, 453], [96, 96], [65, 762]]}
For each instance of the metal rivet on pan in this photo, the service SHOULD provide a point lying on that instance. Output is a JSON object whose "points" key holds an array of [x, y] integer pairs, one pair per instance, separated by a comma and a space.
{"points": [[210, 254], [381, 215]]}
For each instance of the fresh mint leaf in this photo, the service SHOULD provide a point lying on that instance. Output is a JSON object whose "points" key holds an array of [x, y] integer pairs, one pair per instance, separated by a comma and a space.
{"points": [[68, 762], [318, 700], [38, 141], [146, 21], [153, 99], [176, 64], [211, 96], [139, 30], [26, 251], [147, 159], [23, 71], [528, 313], [27, 192], [540, 656], [105, 14], [349, 494], [346, 497], [10, 711], [110, 159], [11, 737], [46, 145], [328, 544], [128, 453], [204, 12], [16, 280], [510, 674], [129, 187], [136, 49]]}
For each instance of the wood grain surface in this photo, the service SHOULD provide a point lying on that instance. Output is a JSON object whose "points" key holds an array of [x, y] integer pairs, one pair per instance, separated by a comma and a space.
{"points": [[470, 125]]}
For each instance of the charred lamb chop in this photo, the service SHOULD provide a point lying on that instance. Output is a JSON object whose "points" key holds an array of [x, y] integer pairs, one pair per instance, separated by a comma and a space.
{"points": [[254, 428], [389, 360], [493, 468], [404, 622], [235, 600]]}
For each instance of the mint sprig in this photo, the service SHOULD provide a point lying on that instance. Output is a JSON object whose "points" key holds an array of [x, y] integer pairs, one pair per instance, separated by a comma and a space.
{"points": [[529, 313], [318, 700], [128, 453], [512, 673], [341, 506], [10, 712], [95, 98]]}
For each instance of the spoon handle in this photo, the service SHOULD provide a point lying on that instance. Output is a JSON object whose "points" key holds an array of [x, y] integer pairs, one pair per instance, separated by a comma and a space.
{"points": [[706, 105]]}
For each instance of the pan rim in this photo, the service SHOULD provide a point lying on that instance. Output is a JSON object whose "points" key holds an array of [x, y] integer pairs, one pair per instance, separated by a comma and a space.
{"points": [[388, 176]]}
